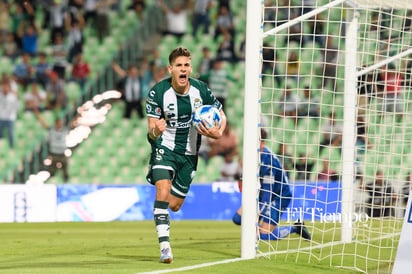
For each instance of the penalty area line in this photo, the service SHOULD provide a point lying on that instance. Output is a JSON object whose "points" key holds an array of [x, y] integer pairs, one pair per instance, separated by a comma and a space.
{"points": [[191, 267]]}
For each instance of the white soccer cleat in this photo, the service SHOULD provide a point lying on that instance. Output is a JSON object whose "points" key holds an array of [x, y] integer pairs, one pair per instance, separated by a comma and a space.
{"points": [[166, 256]]}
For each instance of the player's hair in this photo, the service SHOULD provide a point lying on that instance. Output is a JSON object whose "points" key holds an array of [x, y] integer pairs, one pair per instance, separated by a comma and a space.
{"points": [[263, 134], [177, 53]]}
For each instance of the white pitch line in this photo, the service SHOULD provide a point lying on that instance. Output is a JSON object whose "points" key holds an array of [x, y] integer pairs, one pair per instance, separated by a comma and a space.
{"points": [[194, 266], [191, 267]]}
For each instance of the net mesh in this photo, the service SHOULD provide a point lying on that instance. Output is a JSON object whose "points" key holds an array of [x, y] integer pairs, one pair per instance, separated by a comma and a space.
{"points": [[302, 110]]}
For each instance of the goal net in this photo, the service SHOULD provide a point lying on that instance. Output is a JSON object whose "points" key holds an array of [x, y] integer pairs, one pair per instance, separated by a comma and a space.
{"points": [[333, 93]]}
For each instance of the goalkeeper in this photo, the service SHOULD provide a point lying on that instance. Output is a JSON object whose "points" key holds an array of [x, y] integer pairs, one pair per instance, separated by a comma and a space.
{"points": [[274, 197]]}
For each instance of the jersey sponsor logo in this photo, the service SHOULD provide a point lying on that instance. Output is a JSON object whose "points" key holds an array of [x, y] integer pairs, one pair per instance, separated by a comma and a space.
{"points": [[176, 124]]}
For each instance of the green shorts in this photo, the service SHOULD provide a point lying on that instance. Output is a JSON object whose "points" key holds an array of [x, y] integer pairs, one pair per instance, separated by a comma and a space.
{"points": [[180, 169]]}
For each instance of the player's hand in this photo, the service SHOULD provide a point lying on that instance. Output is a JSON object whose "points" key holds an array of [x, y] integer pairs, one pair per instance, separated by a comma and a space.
{"points": [[160, 126], [212, 132]]}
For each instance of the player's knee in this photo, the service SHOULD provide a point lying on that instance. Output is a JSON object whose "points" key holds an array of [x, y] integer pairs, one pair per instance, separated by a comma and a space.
{"points": [[175, 207], [237, 219]]}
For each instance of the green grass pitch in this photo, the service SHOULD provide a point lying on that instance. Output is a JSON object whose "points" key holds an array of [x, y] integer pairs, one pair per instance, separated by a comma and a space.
{"points": [[131, 247]]}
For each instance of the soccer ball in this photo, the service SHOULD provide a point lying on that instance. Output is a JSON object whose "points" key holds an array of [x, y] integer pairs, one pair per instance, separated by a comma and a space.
{"points": [[207, 113]]}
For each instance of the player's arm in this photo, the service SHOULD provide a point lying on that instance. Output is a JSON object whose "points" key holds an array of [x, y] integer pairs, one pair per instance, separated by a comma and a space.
{"points": [[156, 127]]}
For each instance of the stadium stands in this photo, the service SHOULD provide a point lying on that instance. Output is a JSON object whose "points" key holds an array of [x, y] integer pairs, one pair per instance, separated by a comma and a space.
{"points": [[117, 151]]}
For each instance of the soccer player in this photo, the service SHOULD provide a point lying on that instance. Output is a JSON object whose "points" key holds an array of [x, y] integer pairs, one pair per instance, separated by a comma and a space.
{"points": [[274, 197], [174, 140]]}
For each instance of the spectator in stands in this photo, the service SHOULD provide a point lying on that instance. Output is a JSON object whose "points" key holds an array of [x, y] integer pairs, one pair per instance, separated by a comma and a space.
{"points": [[296, 30], [285, 158], [201, 16], [29, 35], [56, 95], [157, 59], [270, 13], [206, 62], [57, 146], [160, 73], [9, 106], [293, 67], [42, 69], [331, 132], [80, 70], [330, 58], [59, 54], [139, 7], [317, 30], [102, 18], [226, 49], [218, 79], [366, 89], [269, 63], [130, 84], [75, 36], [289, 103], [90, 12], [303, 167], [381, 197], [390, 82], [307, 6], [362, 141], [4, 21], [241, 53], [54, 19], [19, 19], [11, 81], [230, 170], [224, 3], [224, 23], [326, 174], [35, 98], [23, 71], [10, 48], [309, 105], [74, 7], [176, 18], [226, 145]]}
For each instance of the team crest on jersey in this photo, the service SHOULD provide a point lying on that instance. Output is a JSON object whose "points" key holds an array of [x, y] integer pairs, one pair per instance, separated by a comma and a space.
{"points": [[197, 102], [158, 111]]}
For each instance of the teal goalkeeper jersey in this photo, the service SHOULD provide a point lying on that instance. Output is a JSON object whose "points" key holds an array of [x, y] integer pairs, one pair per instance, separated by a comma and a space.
{"points": [[163, 102]]}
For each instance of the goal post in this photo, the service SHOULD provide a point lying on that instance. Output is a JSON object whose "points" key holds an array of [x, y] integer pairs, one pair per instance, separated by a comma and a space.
{"points": [[250, 129], [330, 81]]}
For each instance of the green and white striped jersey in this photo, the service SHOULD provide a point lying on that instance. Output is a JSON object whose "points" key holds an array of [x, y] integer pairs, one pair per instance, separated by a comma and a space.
{"points": [[163, 102]]}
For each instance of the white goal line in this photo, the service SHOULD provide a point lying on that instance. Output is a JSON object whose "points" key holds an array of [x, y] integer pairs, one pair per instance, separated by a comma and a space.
{"points": [[191, 267]]}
